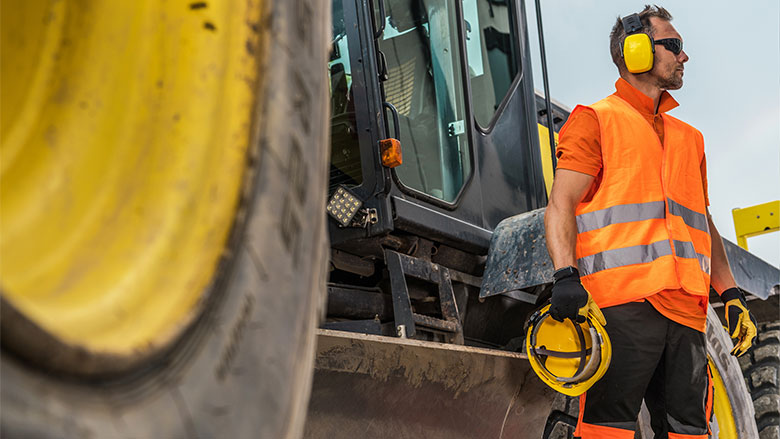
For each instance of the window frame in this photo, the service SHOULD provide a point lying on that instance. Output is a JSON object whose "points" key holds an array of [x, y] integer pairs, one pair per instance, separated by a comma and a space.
{"points": [[468, 115], [515, 83]]}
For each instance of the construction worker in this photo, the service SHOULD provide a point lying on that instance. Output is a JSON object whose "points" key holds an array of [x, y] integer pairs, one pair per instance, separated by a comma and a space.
{"points": [[627, 225]]}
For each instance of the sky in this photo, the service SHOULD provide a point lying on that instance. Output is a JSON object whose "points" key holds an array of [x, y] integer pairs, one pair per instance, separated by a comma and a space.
{"points": [[731, 89]]}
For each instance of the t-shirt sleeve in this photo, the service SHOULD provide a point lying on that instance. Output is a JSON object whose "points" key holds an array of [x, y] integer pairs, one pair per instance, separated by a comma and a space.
{"points": [[579, 147]]}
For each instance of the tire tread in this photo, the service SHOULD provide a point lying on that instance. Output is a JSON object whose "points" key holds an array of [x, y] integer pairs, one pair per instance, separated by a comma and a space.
{"points": [[761, 369]]}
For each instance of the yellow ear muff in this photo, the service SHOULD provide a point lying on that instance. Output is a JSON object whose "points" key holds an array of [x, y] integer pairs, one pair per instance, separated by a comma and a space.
{"points": [[638, 53]]}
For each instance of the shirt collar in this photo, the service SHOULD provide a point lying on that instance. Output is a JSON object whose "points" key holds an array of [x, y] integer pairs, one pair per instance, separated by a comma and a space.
{"points": [[642, 102]]}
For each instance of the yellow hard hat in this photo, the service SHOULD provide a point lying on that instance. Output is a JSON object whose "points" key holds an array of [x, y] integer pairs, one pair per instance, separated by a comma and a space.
{"points": [[569, 357]]}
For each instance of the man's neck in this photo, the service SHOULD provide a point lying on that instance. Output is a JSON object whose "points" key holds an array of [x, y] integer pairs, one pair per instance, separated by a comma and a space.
{"points": [[650, 90]]}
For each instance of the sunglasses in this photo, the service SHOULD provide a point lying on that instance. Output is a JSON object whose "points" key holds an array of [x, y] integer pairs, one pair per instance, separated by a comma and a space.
{"points": [[674, 45]]}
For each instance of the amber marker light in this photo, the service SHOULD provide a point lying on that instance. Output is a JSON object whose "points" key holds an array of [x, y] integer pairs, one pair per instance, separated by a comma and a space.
{"points": [[391, 152]]}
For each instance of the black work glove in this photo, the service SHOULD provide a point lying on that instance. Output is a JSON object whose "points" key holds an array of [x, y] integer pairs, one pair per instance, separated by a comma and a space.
{"points": [[742, 324], [568, 296]]}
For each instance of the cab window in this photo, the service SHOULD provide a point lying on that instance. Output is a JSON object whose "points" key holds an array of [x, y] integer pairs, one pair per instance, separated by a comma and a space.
{"points": [[491, 54], [345, 166], [420, 45]]}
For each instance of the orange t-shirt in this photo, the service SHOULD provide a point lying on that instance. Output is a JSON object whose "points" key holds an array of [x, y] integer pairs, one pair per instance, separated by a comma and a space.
{"points": [[579, 149]]}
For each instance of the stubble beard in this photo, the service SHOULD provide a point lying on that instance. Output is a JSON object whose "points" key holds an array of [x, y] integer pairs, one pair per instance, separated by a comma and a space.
{"points": [[671, 81]]}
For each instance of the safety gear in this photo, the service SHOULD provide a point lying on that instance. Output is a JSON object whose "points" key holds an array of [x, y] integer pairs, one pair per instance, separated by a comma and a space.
{"points": [[569, 357], [742, 325], [569, 298], [568, 295], [645, 227], [674, 45], [637, 48]]}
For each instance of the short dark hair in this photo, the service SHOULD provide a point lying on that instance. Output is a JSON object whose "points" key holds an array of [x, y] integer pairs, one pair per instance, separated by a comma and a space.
{"points": [[618, 34]]}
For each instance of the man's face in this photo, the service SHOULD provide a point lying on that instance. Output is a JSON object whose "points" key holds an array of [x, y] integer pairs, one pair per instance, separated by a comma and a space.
{"points": [[667, 69]]}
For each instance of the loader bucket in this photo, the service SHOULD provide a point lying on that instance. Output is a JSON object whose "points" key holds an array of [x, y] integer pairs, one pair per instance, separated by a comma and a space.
{"points": [[368, 386]]}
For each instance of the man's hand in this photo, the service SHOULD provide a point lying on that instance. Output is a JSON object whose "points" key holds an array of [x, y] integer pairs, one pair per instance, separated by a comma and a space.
{"points": [[571, 300], [741, 323]]}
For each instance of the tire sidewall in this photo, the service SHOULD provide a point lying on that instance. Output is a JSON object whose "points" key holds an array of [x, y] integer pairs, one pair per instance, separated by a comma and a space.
{"points": [[719, 347], [244, 369]]}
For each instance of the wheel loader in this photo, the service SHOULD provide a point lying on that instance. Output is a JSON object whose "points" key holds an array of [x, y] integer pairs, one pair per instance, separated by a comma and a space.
{"points": [[285, 219]]}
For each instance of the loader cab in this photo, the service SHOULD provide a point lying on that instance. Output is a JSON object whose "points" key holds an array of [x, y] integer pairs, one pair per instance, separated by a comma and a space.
{"points": [[457, 75], [452, 80]]}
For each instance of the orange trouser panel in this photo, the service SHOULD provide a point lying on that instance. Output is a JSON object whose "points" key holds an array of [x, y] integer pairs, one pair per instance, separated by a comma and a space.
{"points": [[579, 418], [588, 431]]}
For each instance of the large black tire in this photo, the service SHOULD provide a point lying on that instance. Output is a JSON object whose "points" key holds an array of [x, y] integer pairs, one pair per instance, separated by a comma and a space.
{"points": [[243, 369], [761, 368]]}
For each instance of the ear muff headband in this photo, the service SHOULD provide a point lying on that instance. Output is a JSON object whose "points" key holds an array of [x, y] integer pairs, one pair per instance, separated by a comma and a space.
{"points": [[631, 24], [637, 48]]}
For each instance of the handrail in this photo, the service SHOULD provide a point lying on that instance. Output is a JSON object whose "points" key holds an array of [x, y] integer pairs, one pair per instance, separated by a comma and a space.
{"points": [[548, 104]]}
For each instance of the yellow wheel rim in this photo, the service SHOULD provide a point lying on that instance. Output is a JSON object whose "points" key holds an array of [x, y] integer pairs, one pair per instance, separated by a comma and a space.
{"points": [[124, 133], [722, 407]]}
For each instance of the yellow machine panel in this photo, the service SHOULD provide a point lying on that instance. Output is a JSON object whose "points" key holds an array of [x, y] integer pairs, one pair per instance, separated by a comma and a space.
{"points": [[756, 220]]}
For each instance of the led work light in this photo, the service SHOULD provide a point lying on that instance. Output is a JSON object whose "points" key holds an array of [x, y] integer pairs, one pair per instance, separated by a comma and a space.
{"points": [[343, 206]]}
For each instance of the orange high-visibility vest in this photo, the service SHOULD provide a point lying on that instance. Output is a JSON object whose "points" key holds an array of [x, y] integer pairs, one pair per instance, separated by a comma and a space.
{"points": [[645, 229]]}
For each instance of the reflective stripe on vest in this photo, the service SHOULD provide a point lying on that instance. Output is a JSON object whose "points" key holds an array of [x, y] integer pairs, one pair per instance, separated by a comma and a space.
{"points": [[691, 218], [624, 213], [685, 249], [638, 254]]}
